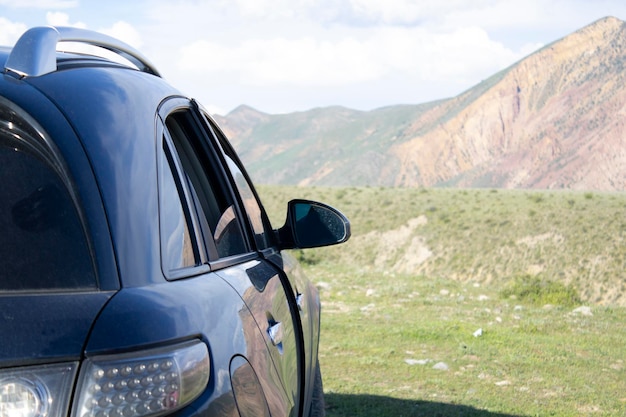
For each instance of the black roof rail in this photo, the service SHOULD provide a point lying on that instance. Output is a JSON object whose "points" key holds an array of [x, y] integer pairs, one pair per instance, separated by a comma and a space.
{"points": [[34, 54]]}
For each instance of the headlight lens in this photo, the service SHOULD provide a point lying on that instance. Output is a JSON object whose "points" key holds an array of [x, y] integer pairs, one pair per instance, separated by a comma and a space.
{"points": [[36, 391], [146, 383]]}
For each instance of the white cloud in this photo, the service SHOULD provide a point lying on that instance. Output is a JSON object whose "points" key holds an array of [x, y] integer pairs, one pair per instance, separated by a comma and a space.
{"points": [[62, 19], [466, 53], [350, 12], [40, 4], [305, 61], [372, 51], [403, 12], [10, 32], [462, 55], [121, 30], [125, 32], [269, 9]]}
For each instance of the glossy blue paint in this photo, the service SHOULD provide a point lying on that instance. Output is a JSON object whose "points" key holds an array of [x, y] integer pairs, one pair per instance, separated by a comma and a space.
{"points": [[46, 328], [113, 111]]}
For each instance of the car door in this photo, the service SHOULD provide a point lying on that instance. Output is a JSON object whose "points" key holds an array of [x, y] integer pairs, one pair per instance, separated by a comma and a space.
{"points": [[230, 244], [300, 291]]}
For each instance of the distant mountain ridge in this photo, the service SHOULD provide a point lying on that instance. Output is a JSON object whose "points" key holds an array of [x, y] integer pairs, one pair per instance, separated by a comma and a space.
{"points": [[553, 120]]}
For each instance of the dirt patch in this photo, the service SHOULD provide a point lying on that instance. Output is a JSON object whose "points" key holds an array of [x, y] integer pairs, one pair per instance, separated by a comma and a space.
{"points": [[400, 249], [532, 241]]}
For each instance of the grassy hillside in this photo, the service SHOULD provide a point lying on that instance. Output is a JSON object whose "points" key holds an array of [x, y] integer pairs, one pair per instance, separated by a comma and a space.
{"points": [[490, 324], [490, 237], [308, 146]]}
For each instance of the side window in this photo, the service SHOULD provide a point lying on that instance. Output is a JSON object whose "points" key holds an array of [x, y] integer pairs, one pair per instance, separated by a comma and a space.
{"points": [[253, 210], [179, 250], [256, 216], [43, 245], [207, 193]]}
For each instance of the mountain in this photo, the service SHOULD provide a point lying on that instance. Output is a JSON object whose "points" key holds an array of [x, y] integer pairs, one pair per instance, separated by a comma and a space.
{"points": [[553, 120]]}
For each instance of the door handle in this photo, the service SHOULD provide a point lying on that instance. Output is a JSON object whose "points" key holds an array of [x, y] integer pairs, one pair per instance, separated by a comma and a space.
{"points": [[300, 301], [275, 332]]}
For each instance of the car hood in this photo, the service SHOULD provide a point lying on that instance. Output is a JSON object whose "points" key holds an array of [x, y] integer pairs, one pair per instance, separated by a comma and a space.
{"points": [[46, 327]]}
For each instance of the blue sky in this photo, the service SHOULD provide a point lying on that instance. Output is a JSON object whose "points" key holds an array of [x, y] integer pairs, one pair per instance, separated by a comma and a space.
{"points": [[282, 56]]}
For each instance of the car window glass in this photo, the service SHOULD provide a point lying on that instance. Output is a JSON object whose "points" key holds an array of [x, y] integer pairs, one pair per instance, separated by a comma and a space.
{"points": [[210, 194], [176, 240], [43, 245], [253, 210], [258, 220]]}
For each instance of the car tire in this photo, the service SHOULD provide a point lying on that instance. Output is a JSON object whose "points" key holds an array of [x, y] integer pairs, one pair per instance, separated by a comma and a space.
{"points": [[318, 405]]}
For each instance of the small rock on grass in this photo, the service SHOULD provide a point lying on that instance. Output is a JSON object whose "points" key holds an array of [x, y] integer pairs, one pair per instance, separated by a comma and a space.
{"points": [[583, 311], [441, 366], [417, 361]]}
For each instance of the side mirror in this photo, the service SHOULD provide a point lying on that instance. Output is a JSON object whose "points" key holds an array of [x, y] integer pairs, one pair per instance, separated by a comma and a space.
{"points": [[310, 225]]}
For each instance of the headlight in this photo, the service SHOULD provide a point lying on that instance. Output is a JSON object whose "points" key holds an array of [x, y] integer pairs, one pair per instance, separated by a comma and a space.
{"points": [[146, 383], [36, 391]]}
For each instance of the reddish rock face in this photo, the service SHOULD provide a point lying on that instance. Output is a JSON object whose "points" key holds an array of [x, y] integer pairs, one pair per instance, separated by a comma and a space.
{"points": [[554, 120]]}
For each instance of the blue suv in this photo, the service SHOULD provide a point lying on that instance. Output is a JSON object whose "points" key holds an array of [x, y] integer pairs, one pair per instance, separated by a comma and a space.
{"points": [[139, 274]]}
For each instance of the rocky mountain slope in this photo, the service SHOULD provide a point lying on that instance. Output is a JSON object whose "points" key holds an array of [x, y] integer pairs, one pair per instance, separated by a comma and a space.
{"points": [[553, 120]]}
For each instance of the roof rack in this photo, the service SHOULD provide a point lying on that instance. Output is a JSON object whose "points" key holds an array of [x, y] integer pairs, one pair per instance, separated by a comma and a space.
{"points": [[34, 54]]}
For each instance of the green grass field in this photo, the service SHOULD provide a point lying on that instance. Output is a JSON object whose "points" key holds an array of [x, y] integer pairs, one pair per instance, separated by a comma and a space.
{"points": [[468, 302]]}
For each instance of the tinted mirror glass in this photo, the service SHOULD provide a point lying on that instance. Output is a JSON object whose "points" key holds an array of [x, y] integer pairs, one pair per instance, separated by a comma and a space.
{"points": [[315, 224]]}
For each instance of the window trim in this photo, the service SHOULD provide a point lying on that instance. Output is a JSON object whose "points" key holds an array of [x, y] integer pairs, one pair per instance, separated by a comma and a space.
{"points": [[164, 150], [226, 149], [216, 153], [201, 230]]}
